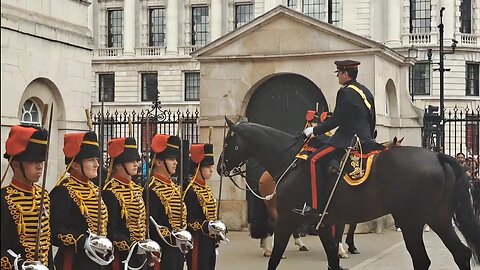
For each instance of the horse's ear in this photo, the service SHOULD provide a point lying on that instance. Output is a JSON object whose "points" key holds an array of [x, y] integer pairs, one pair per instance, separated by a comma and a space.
{"points": [[400, 141], [394, 141], [230, 124], [241, 119]]}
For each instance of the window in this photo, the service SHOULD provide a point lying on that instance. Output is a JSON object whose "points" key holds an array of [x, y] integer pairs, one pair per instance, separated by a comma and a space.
{"points": [[200, 31], [243, 14], [420, 79], [149, 86], [30, 113], [472, 79], [315, 8], [115, 28], [420, 16], [323, 10], [106, 87], [466, 16], [192, 86], [156, 35], [292, 3]]}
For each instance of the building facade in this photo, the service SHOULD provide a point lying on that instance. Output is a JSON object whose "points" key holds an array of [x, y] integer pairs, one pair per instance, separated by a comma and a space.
{"points": [[143, 52], [46, 59]]}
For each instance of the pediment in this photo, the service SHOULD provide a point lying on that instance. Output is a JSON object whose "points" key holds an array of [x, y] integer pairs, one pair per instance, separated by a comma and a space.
{"points": [[283, 31]]}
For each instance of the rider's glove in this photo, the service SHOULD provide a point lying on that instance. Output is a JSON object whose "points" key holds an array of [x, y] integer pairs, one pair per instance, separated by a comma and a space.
{"points": [[308, 131]]}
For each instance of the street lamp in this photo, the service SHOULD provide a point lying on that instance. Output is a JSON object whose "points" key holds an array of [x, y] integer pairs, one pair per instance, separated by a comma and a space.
{"points": [[412, 54], [442, 69]]}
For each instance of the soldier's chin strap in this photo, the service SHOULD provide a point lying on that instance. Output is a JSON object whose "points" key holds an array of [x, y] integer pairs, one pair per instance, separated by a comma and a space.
{"points": [[166, 167], [22, 170]]}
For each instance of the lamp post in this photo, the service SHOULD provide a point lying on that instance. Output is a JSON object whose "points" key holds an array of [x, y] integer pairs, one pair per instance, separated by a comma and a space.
{"points": [[442, 70], [412, 54]]}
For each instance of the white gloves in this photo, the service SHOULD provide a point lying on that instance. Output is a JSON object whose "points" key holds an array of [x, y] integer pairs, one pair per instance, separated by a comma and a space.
{"points": [[308, 131]]}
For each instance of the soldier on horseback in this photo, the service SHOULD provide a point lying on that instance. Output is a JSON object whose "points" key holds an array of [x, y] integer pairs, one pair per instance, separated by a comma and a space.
{"points": [[354, 114]]}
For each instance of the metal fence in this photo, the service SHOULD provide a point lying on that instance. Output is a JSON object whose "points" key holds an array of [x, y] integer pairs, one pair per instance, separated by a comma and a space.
{"points": [[461, 134]]}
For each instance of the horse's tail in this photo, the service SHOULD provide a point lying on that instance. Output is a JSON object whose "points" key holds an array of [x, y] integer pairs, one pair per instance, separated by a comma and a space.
{"points": [[465, 218]]}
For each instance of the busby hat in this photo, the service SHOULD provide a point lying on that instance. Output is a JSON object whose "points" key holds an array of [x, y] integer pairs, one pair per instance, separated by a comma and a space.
{"points": [[26, 143], [123, 150], [79, 146], [312, 116], [165, 146], [346, 65], [202, 154]]}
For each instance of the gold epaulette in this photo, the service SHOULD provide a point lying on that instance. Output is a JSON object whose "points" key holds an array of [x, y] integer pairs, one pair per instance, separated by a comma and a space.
{"points": [[23, 207], [132, 207]]}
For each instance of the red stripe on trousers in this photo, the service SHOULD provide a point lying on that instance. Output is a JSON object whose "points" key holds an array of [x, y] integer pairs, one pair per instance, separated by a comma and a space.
{"points": [[196, 240], [156, 266], [116, 262], [68, 260], [313, 173]]}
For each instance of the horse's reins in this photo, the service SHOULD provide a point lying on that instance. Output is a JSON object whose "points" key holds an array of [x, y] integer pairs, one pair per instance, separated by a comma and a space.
{"points": [[235, 171]]}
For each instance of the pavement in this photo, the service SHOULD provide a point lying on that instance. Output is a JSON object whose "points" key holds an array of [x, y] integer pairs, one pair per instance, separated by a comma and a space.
{"points": [[384, 251]]}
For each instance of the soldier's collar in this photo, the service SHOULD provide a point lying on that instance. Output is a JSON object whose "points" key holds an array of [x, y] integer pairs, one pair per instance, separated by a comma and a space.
{"points": [[162, 178], [79, 177], [20, 185], [122, 179], [200, 181]]}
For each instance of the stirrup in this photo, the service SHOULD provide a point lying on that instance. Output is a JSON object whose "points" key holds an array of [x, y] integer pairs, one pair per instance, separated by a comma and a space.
{"points": [[307, 211]]}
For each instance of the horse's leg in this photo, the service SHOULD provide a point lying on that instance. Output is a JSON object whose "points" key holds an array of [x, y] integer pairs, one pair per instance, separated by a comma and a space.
{"points": [[266, 245], [298, 241], [331, 247], [339, 229], [283, 230], [413, 236], [461, 253], [350, 242]]}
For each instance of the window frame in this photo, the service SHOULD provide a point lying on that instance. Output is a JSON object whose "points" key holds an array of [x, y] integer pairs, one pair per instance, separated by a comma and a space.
{"points": [[205, 33], [416, 82], [34, 108], [475, 79], [414, 19], [310, 6], [188, 96], [101, 89], [110, 36], [237, 22], [465, 26], [162, 24], [146, 88]]}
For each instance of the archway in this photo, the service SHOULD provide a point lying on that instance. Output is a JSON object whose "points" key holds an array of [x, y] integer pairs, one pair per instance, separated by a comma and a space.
{"points": [[281, 102]]}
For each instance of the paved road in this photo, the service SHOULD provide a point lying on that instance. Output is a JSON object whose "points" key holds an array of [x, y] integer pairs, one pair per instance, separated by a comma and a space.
{"points": [[384, 251]]}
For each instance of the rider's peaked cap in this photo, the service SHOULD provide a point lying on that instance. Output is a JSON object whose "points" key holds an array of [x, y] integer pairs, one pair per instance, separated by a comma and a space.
{"points": [[123, 150], [346, 65], [312, 116], [79, 146], [26, 143], [202, 154], [165, 146]]}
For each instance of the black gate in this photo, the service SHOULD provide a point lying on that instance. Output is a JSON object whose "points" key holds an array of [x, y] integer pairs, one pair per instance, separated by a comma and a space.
{"points": [[280, 102]]}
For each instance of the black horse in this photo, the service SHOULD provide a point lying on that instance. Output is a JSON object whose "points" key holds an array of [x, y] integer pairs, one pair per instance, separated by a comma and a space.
{"points": [[415, 185]]}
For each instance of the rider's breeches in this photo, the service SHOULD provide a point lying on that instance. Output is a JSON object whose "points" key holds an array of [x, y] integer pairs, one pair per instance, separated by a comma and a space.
{"points": [[317, 159]]}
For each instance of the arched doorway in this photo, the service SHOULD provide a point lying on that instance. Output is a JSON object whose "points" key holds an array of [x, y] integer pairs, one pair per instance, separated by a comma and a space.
{"points": [[280, 102]]}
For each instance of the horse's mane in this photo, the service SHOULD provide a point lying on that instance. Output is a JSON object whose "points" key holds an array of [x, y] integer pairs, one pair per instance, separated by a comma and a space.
{"points": [[260, 131]]}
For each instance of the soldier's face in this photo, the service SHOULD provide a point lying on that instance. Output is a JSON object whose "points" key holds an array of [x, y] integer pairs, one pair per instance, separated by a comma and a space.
{"points": [[342, 77], [32, 171], [90, 167], [132, 167], [207, 171]]}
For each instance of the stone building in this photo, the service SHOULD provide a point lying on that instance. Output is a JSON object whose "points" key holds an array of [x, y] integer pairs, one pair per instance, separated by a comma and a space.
{"points": [[46, 59]]}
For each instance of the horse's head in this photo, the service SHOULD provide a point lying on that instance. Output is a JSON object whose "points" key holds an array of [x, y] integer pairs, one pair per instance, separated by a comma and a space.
{"points": [[234, 152]]}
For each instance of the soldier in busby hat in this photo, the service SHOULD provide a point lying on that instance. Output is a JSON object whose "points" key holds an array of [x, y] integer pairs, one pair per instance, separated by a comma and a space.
{"points": [[25, 150], [354, 114], [166, 206], [202, 217], [126, 207], [79, 227]]}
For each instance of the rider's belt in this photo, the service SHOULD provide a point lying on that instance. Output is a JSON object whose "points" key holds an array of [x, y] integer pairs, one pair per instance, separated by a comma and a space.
{"points": [[360, 92]]}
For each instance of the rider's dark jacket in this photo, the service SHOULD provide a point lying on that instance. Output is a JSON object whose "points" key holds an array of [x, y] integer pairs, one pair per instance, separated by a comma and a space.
{"points": [[351, 116]]}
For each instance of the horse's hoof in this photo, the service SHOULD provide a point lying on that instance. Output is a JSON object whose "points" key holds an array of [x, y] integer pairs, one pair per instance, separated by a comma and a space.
{"points": [[339, 268], [303, 248], [284, 257], [343, 256], [267, 253]]}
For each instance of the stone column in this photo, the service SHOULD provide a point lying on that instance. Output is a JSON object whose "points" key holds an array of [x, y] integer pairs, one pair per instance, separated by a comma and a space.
{"points": [[129, 27], [172, 27], [394, 23], [216, 19]]}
